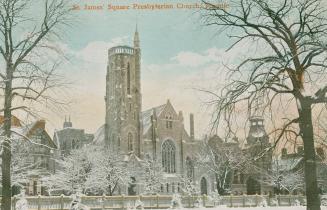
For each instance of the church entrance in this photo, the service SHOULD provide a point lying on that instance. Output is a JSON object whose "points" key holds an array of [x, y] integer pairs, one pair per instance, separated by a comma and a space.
{"points": [[252, 186], [132, 186], [204, 186]]}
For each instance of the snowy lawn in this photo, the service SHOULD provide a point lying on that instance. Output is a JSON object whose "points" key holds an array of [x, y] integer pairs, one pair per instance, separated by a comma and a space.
{"points": [[257, 208]]}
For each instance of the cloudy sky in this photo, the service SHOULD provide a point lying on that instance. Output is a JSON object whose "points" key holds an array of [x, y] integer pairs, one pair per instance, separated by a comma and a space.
{"points": [[179, 56]]}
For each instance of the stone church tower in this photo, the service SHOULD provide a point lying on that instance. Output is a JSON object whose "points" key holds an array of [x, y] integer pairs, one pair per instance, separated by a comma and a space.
{"points": [[123, 99]]}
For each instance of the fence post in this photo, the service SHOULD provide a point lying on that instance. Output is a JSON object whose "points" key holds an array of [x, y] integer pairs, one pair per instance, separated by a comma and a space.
{"points": [[103, 201], [14, 203], [231, 200], [290, 200], [193, 200], [243, 200], [189, 201], [256, 199], [204, 197], [62, 202], [157, 201], [39, 202], [122, 202], [278, 199]]}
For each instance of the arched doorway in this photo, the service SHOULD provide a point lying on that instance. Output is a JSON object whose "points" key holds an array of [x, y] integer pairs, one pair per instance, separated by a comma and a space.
{"points": [[132, 186], [252, 186], [204, 186]]}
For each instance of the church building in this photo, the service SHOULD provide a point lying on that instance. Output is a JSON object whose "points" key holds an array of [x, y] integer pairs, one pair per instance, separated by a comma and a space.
{"points": [[156, 133]]}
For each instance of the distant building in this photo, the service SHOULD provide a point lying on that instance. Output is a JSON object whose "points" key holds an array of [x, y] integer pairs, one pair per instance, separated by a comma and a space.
{"points": [[294, 161], [36, 149], [258, 145], [70, 138]]}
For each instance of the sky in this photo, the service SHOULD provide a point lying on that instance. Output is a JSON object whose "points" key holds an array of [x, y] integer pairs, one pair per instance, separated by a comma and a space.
{"points": [[179, 56]]}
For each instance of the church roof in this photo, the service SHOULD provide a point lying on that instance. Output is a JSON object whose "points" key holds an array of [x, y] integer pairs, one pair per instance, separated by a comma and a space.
{"points": [[99, 135], [286, 164], [146, 116]]}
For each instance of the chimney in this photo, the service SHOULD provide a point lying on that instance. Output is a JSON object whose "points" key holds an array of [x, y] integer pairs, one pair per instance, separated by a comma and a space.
{"points": [[41, 124], [180, 116], [68, 124], [192, 126]]}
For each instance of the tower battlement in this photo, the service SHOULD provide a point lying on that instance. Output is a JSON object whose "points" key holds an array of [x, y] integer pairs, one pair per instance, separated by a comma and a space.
{"points": [[121, 50]]}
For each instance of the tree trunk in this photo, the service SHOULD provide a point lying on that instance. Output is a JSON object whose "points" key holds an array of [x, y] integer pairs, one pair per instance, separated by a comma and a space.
{"points": [[306, 128], [6, 156]]}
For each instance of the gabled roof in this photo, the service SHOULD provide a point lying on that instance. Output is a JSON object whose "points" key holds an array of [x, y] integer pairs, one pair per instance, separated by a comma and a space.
{"points": [[14, 121], [20, 131]]}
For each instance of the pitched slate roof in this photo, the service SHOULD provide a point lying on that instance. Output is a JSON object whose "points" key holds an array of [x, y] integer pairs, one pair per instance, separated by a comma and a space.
{"points": [[99, 135], [286, 164], [146, 116]]}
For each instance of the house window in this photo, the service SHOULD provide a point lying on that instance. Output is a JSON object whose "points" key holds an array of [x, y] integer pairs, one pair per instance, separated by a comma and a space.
{"points": [[189, 168], [130, 142], [168, 156]]}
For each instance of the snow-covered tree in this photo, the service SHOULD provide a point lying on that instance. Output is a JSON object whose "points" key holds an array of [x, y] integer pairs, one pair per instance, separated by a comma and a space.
{"points": [[285, 62], [188, 186], [23, 166], [27, 71], [73, 171], [223, 159], [108, 172], [283, 177], [153, 176]]}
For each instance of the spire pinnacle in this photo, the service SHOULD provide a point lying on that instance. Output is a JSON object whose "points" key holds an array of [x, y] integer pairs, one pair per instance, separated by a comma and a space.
{"points": [[136, 37]]}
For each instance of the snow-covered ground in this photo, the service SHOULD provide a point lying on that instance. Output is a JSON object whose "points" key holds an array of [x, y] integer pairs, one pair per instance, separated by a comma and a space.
{"points": [[258, 208]]}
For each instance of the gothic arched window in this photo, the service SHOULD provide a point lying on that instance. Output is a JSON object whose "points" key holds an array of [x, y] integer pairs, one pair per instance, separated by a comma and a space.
{"points": [[128, 79], [168, 152], [189, 168], [130, 142]]}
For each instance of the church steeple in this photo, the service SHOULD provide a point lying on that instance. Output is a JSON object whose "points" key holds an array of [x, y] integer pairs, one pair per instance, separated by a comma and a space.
{"points": [[136, 38]]}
